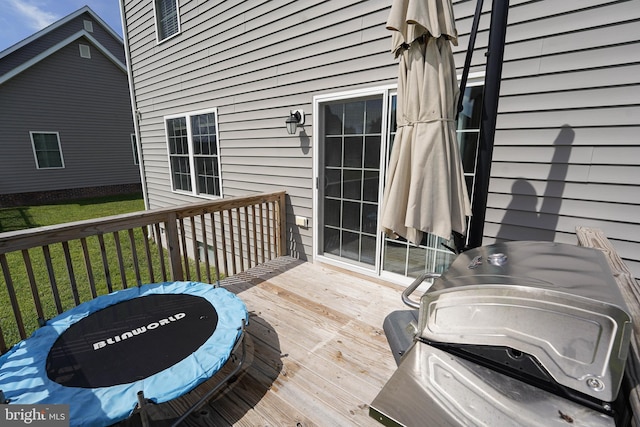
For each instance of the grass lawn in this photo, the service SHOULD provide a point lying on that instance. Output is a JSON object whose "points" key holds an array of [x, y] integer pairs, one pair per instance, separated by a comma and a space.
{"points": [[22, 217]]}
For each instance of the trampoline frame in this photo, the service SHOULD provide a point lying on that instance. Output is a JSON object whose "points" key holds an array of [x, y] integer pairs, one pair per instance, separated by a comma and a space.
{"points": [[144, 404]]}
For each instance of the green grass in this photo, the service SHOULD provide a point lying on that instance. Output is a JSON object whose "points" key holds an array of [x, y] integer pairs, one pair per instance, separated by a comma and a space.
{"points": [[19, 218]]}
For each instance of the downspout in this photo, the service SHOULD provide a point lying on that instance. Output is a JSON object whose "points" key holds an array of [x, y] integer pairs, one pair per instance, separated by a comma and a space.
{"points": [[134, 110], [491, 95]]}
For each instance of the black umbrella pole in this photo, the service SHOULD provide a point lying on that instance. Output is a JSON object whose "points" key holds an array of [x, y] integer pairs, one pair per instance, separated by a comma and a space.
{"points": [[497, 33]]}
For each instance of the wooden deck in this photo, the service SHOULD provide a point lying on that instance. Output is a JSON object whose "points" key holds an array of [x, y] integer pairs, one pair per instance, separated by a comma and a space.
{"points": [[316, 351]]}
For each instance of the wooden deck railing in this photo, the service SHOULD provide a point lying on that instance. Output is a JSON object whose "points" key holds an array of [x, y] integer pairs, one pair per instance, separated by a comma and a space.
{"points": [[630, 289], [48, 270]]}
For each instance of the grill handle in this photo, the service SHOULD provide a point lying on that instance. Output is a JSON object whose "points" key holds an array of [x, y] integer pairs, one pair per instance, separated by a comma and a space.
{"points": [[413, 286]]}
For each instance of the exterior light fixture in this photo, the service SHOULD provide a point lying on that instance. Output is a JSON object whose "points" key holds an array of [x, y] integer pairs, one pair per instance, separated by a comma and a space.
{"points": [[295, 119]]}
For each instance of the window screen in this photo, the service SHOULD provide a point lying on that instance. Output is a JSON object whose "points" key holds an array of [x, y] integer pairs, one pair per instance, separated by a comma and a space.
{"points": [[167, 18]]}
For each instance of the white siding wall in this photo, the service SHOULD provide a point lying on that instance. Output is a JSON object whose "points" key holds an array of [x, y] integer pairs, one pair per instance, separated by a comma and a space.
{"points": [[566, 150], [254, 61]]}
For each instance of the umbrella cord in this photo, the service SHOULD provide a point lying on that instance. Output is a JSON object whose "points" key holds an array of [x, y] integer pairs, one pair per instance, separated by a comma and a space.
{"points": [[467, 60]]}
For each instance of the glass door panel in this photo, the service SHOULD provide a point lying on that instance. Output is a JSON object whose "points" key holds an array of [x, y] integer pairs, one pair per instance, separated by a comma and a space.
{"points": [[355, 140], [432, 254], [350, 171]]}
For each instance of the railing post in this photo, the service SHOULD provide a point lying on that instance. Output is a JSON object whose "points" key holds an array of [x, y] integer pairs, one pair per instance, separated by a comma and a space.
{"points": [[173, 246], [282, 225]]}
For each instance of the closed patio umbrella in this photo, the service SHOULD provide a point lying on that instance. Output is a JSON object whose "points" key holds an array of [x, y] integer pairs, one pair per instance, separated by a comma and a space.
{"points": [[425, 189]]}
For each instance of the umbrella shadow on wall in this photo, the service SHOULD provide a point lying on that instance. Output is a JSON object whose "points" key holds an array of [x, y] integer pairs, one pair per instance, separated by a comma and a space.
{"points": [[523, 219]]}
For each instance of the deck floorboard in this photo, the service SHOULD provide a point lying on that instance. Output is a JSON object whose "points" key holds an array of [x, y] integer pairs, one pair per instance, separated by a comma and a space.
{"points": [[316, 351]]}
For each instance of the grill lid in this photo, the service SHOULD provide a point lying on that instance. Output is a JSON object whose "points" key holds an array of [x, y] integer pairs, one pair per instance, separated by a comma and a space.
{"points": [[434, 388], [557, 303]]}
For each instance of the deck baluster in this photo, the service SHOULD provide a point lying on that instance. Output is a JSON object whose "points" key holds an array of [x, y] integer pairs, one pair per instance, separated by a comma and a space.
{"points": [[268, 213], [261, 233], [87, 265], [123, 274], [134, 256], [232, 242], [158, 242], [26, 259], [72, 276], [185, 253], [12, 296], [205, 248], [147, 252], [194, 248], [105, 263], [52, 278], [223, 238]]}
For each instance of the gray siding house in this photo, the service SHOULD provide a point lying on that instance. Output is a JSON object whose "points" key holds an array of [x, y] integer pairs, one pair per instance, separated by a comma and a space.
{"points": [[65, 113], [213, 83]]}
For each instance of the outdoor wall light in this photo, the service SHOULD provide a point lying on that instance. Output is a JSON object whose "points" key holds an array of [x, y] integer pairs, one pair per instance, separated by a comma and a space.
{"points": [[295, 119]]}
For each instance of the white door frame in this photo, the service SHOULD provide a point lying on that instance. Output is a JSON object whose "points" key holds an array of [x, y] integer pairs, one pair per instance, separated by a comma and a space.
{"points": [[385, 91]]}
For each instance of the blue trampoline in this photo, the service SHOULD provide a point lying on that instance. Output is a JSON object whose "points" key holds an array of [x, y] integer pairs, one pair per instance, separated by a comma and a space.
{"points": [[158, 341]]}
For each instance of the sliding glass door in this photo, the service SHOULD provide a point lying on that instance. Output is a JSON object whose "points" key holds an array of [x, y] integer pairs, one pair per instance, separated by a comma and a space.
{"points": [[355, 137]]}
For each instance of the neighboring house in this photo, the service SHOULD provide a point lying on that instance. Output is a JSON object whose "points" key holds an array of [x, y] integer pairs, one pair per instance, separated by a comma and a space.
{"points": [[65, 114], [214, 82]]}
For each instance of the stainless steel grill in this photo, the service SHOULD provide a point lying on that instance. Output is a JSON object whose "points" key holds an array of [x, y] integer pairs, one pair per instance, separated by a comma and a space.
{"points": [[531, 329]]}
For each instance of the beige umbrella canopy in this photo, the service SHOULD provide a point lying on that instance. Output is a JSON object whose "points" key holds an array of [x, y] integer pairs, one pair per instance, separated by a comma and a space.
{"points": [[425, 189]]}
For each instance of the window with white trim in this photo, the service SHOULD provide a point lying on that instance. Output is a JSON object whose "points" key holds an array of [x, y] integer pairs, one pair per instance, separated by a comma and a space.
{"points": [[194, 158], [46, 150], [167, 18]]}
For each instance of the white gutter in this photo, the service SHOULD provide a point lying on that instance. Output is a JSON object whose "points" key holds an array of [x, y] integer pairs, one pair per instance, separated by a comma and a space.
{"points": [[134, 110]]}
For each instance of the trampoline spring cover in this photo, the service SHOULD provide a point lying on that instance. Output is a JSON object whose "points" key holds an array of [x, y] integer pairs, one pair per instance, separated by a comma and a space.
{"points": [[205, 322]]}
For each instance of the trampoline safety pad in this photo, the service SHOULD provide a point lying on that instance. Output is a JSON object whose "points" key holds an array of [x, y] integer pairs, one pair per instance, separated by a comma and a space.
{"points": [[162, 339]]}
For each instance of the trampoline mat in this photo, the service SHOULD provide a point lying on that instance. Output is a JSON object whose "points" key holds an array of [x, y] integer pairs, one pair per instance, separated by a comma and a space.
{"points": [[131, 340]]}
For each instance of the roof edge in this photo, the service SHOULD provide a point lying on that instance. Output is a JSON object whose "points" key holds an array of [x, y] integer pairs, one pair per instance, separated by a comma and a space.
{"points": [[53, 49], [57, 24]]}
